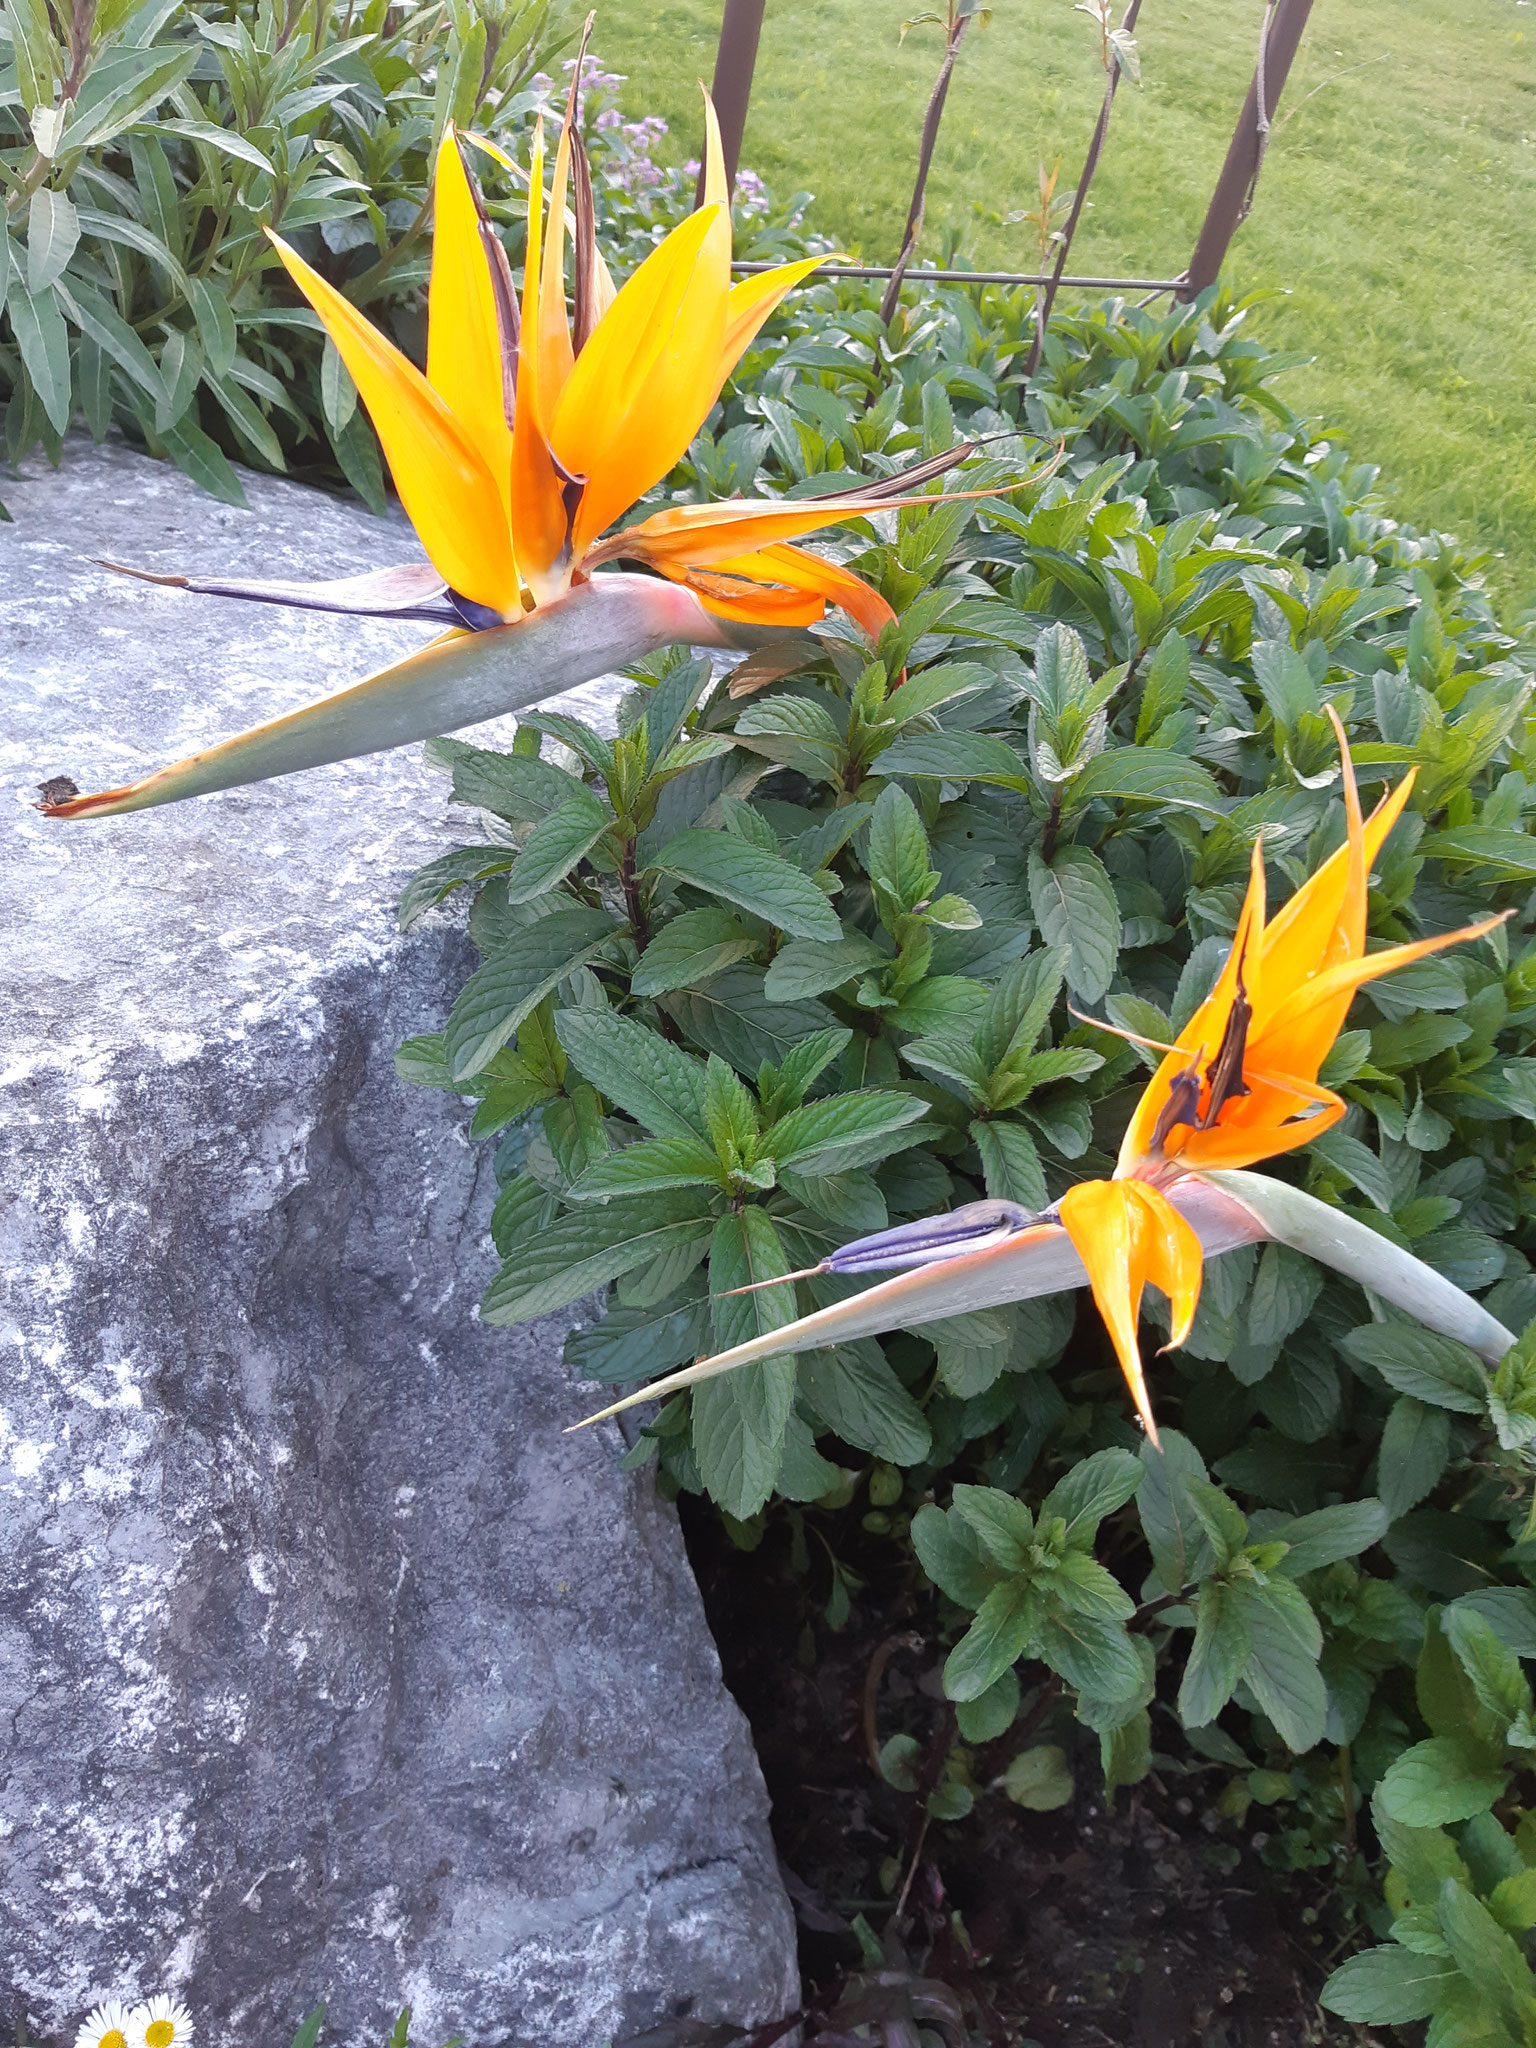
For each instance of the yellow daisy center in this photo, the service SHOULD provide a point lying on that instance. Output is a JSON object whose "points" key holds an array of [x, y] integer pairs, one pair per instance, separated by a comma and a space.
{"points": [[113, 2038], [158, 2034]]}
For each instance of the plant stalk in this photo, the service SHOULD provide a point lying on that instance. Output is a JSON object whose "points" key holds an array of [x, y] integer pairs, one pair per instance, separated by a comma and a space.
{"points": [[930, 136]]}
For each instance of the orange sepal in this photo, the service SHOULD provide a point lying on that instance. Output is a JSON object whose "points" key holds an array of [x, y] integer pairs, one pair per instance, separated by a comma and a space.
{"points": [[1128, 1234], [449, 494]]}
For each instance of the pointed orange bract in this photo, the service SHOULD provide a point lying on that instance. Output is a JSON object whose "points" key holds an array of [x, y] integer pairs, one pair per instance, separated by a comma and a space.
{"points": [[448, 493], [1251, 1078], [465, 362], [525, 441], [1127, 1235]]}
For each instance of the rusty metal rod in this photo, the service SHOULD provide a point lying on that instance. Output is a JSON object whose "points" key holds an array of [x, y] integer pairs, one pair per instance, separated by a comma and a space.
{"points": [[1283, 24], [878, 270], [735, 61]]}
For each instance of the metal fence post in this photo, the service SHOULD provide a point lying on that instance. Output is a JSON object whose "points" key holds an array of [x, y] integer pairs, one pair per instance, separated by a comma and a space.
{"points": [[1284, 21], [740, 27]]}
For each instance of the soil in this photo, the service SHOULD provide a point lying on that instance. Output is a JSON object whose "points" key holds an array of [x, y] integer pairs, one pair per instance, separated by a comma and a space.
{"points": [[1147, 1922]]}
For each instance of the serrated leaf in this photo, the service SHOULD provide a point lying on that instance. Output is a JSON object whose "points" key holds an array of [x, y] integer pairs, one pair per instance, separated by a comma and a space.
{"points": [[1142, 775], [518, 787], [691, 950], [1177, 1538], [843, 1131], [740, 1418], [952, 1555], [1217, 1659], [516, 978], [1417, 1362], [984, 1719], [1003, 1630], [1282, 1670], [657, 1084], [1010, 1163], [1415, 1448], [758, 881], [1092, 1489], [954, 757], [439, 878], [1387, 1986], [638, 1343], [1443, 1779], [858, 1396], [557, 843], [1075, 908], [810, 967], [731, 1016], [1332, 1533], [586, 1248], [898, 847], [651, 1164]]}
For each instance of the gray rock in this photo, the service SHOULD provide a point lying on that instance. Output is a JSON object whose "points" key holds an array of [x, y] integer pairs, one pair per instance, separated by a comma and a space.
{"points": [[328, 1666]]}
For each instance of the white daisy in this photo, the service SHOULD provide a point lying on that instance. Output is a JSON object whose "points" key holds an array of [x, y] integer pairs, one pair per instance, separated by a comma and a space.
{"points": [[107, 2027], [160, 2024]]}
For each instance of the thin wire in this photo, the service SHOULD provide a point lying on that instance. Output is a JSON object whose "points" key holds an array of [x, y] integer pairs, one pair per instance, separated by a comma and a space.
{"points": [[1153, 286]]}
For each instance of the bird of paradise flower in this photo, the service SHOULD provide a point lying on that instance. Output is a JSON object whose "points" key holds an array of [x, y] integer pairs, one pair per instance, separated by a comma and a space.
{"points": [[1239, 1085], [538, 423]]}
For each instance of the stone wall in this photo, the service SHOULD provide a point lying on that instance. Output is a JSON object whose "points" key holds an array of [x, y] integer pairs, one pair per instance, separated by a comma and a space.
{"points": [[328, 1666]]}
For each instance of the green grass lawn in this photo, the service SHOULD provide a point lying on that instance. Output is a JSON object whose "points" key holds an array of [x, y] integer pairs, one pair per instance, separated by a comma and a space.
{"points": [[1397, 210]]}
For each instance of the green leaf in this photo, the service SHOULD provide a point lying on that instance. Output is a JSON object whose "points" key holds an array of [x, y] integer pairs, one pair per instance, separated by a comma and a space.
{"points": [[1010, 1164], [1166, 685], [955, 757], [309, 2029], [638, 1343], [586, 1248], [1285, 682], [1415, 1448], [1142, 774], [53, 230], [1417, 1362], [861, 1400], [739, 1418], [1511, 853], [439, 878], [1282, 1671], [898, 847], [1003, 1630], [804, 1474], [516, 978], [1510, 1610], [1329, 1534], [1285, 1291], [1126, 1752], [1387, 1986], [421, 1062], [196, 455], [653, 1163], [1492, 1666], [1221, 1650], [810, 967], [843, 1131], [222, 139], [1446, 1778], [1177, 1538], [1486, 1955], [1092, 1489], [1075, 908], [691, 950], [518, 787], [1091, 1653], [556, 844], [984, 1719], [40, 334], [758, 881], [1039, 1779], [951, 1554], [731, 1016], [1004, 1525], [1359, 1164], [657, 1084]]}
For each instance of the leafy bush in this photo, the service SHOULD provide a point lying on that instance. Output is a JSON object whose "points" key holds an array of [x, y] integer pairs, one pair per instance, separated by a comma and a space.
{"points": [[789, 959], [143, 148]]}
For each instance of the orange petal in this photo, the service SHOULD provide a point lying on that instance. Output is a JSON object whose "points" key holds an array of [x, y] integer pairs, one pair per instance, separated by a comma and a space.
{"points": [[540, 520], [556, 355], [645, 379], [448, 492], [1126, 1234], [1198, 1041], [749, 306], [1335, 984], [733, 526], [1264, 1124], [716, 191], [758, 587], [466, 351]]}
